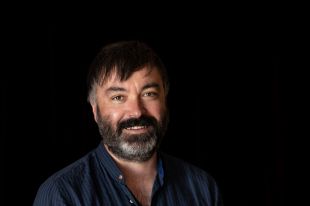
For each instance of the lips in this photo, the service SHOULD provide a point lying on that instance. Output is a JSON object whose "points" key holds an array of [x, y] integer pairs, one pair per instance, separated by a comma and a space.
{"points": [[136, 127]]}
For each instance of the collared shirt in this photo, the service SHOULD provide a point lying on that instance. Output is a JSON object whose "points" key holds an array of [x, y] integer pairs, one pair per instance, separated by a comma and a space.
{"points": [[95, 180]]}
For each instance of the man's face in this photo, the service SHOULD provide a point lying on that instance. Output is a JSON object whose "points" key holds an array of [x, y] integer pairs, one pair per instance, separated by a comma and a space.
{"points": [[131, 114]]}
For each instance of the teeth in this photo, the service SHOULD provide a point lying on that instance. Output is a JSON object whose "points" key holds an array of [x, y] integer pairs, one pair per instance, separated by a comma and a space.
{"points": [[136, 127]]}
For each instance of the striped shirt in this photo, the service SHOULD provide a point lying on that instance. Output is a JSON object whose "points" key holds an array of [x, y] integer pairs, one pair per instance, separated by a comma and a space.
{"points": [[96, 180]]}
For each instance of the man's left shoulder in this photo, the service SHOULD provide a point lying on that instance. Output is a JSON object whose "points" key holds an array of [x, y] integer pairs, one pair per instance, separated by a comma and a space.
{"points": [[180, 168], [191, 181]]}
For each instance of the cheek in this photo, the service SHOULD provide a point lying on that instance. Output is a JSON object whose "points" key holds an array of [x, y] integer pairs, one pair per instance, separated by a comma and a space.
{"points": [[112, 115], [163, 112], [157, 111]]}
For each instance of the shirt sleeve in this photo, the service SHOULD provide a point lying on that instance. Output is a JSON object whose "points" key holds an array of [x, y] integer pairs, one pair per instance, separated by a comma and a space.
{"points": [[215, 192], [50, 194]]}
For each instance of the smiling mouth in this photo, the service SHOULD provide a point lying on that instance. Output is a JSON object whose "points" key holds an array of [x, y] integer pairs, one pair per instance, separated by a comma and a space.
{"points": [[137, 129]]}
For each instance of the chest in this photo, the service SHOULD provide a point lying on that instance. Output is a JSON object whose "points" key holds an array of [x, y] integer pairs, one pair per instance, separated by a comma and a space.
{"points": [[142, 190]]}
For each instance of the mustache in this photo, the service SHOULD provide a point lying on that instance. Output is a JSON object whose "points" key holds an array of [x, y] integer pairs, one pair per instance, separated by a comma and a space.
{"points": [[141, 121]]}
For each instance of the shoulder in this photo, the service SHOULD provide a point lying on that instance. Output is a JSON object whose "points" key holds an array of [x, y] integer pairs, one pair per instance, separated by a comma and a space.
{"points": [[77, 169], [180, 166], [56, 188], [191, 181], [176, 168]]}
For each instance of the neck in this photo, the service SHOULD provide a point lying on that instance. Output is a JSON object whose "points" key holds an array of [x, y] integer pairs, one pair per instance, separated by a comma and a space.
{"points": [[142, 169]]}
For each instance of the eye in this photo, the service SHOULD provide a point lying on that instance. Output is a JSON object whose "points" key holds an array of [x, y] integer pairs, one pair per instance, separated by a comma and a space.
{"points": [[118, 98], [150, 94]]}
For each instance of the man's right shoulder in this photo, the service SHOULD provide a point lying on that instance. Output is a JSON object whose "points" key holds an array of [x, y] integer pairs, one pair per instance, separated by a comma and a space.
{"points": [[55, 188]]}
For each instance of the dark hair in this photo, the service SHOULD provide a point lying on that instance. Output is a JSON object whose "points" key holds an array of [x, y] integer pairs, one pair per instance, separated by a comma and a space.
{"points": [[124, 58]]}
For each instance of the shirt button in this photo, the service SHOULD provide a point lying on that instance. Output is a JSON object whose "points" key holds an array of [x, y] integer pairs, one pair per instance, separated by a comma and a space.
{"points": [[120, 177], [131, 201]]}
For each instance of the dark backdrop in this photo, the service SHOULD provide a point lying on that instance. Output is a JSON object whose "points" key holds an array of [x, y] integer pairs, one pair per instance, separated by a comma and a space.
{"points": [[227, 102]]}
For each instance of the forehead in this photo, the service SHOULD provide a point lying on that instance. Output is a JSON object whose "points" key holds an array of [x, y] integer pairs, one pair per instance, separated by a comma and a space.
{"points": [[144, 75]]}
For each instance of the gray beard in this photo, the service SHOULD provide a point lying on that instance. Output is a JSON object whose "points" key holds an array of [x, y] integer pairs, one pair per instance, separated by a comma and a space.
{"points": [[138, 147]]}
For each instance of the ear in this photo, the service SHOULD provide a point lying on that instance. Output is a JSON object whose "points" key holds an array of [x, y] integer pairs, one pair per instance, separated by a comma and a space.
{"points": [[94, 110]]}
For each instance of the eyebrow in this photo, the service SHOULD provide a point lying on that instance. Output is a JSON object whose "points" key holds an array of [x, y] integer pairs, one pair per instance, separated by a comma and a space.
{"points": [[115, 89], [121, 89], [151, 85]]}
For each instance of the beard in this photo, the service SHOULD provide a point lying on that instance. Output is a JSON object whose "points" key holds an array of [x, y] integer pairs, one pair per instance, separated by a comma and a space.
{"points": [[133, 147]]}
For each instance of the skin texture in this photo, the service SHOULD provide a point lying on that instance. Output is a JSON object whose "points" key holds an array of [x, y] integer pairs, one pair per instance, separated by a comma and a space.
{"points": [[134, 100], [142, 94]]}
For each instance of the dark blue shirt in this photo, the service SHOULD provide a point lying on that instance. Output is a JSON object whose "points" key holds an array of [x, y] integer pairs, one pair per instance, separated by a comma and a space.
{"points": [[96, 180]]}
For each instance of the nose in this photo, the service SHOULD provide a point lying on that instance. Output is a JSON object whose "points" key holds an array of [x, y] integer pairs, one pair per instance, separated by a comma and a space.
{"points": [[135, 108]]}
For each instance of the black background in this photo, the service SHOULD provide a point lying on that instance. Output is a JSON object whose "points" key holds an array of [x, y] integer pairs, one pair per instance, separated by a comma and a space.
{"points": [[228, 99]]}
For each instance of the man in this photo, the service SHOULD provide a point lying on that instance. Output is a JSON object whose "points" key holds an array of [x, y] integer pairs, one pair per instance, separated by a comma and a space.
{"points": [[128, 85]]}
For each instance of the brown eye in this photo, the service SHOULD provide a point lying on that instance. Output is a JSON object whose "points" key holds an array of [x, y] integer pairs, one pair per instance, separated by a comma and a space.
{"points": [[150, 94], [118, 98]]}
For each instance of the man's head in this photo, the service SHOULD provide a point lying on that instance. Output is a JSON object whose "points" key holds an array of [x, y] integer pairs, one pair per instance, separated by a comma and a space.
{"points": [[128, 85]]}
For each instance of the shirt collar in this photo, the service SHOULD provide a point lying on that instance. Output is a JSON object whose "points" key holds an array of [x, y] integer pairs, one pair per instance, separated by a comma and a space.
{"points": [[160, 170], [108, 163]]}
